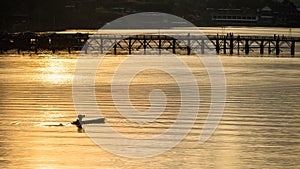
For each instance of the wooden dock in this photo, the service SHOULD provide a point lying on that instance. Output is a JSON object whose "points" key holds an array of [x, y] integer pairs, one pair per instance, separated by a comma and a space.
{"points": [[122, 44]]}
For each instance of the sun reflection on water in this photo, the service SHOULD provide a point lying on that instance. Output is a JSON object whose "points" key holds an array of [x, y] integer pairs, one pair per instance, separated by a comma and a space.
{"points": [[56, 72]]}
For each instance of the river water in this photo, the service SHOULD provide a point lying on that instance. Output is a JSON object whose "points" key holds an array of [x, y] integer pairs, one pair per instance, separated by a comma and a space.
{"points": [[259, 128]]}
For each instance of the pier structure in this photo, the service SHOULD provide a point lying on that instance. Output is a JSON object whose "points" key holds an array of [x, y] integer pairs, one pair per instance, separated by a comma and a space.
{"points": [[186, 44], [150, 44], [230, 44]]}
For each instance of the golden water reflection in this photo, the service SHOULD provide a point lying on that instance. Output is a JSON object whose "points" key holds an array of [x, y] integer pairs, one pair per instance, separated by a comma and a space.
{"points": [[259, 128], [56, 71]]}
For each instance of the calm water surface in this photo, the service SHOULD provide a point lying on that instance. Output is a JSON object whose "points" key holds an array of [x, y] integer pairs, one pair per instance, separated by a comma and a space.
{"points": [[260, 127]]}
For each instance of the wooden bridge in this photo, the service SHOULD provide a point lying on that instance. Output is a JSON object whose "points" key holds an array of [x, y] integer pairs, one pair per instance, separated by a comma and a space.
{"points": [[150, 43]]}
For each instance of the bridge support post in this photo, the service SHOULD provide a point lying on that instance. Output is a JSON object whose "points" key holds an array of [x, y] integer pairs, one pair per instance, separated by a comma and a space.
{"points": [[115, 45], [262, 47], [101, 44], [238, 43], [174, 46], [269, 48], [85, 49], [35, 49], [231, 44], [115, 49], [247, 47], [129, 46], [224, 46], [188, 48], [293, 48], [202, 46], [159, 45], [145, 45], [277, 46], [217, 44]]}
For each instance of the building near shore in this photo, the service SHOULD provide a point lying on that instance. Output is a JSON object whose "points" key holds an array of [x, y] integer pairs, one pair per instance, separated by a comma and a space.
{"points": [[233, 16], [280, 14]]}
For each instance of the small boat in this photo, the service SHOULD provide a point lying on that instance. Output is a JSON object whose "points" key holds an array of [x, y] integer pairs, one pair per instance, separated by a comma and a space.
{"points": [[79, 122]]}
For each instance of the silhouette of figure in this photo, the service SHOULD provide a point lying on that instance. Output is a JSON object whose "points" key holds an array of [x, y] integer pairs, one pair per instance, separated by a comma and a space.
{"points": [[78, 122]]}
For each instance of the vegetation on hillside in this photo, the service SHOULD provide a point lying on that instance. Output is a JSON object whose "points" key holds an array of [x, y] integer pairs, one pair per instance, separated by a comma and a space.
{"points": [[67, 14]]}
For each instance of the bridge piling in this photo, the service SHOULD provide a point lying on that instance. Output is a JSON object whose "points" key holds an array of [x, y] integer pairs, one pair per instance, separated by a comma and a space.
{"points": [[174, 46], [277, 47], [159, 45], [238, 43], [188, 48], [262, 46], [293, 48], [269, 48], [231, 44], [202, 46], [217, 44], [115, 45], [129, 46], [101, 44], [247, 47], [145, 45], [224, 45]]}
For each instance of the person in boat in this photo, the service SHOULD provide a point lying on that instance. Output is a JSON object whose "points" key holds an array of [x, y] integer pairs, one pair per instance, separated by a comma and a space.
{"points": [[78, 122]]}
